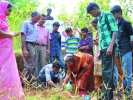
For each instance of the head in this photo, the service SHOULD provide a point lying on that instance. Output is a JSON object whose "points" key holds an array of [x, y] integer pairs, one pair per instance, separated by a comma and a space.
{"points": [[116, 11], [93, 9], [35, 16], [69, 59], [56, 66], [56, 26], [49, 11], [69, 31], [42, 19], [94, 23], [5, 8], [84, 32]]}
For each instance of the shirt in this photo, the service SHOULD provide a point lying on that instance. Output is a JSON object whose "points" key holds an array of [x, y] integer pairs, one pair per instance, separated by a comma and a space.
{"points": [[43, 35], [55, 44], [30, 31], [123, 37], [49, 18], [71, 44], [46, 70], [106, 25], [85, 42]]}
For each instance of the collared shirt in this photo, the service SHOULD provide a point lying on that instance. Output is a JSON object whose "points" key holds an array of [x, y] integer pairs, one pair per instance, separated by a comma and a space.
{"points": [[55, 44], [46, 70], [43, 35], [125, 31], [72, 44], [106, 25], [30, 31], [85, 42]]}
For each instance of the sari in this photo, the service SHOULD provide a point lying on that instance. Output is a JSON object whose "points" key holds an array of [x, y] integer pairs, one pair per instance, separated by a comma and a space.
{"points": [[86, 82], [10, 86]]}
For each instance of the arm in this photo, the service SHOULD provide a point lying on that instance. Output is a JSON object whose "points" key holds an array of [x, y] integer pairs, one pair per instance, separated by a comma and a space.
{"points": [[60, 41], [51, 83], [48, 47], [67, 76], [114, 28], [5, 35]]}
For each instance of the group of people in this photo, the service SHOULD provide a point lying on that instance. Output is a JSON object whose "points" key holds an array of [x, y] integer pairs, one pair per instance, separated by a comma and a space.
{"points": [[87, 68]]}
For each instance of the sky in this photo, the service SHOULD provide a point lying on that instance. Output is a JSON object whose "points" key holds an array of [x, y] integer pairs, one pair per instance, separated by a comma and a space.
{"points": [[69, 3]]}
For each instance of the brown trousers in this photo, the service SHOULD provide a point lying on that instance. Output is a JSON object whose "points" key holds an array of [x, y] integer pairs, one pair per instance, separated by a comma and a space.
{"points": [[120, 74]]}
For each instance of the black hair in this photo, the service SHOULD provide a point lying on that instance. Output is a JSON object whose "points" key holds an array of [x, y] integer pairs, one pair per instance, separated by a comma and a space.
{"points": [[91, 6], [43, 15], [56, 64], [34, 13], [95, 20], [9, 6], [116, 9], [49, 9], [68, 29], [85, 29], [56, 24]]}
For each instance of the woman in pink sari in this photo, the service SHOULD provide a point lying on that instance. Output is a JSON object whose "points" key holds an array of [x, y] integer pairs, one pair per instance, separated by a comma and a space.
{"points": [[10, 86]]}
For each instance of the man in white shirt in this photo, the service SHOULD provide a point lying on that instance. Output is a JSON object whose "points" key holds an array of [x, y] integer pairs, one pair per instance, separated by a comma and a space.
{"points": [[51, 74]]}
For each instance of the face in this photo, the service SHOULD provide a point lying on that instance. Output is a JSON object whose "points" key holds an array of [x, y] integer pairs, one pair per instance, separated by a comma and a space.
{"points": [[55, 28], [84, 33], [117, 15], [49, 12], [8, 11], [55, 70], [94, 25], [42, 20], [36, 18], [94, 12], [69, 33], [70, 63]]}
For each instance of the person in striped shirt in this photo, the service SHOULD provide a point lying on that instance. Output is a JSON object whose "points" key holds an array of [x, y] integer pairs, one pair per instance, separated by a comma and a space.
{"points": [[72, 41]]}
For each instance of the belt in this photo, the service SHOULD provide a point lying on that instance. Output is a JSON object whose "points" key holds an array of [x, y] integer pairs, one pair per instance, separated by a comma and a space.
{"points": [[34, 43], [41, 44]]}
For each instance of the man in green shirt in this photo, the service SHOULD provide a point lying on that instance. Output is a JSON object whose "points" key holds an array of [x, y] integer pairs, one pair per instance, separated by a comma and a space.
{"points": [[107, 30]]}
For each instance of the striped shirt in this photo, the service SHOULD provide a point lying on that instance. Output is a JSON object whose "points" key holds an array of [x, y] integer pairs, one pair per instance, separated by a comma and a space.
{"points": [[71, 44]]}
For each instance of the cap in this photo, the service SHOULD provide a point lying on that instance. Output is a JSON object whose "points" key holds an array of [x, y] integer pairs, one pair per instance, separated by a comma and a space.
{"points": [[56, 24], [115, 9]]}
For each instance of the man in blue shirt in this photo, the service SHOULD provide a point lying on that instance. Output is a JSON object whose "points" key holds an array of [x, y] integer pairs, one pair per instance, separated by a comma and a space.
{"points": [[55, 46]]}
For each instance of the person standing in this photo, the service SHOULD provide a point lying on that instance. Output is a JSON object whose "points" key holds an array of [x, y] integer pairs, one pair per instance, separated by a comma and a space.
{"points": [[85, 44], [125, 45], [48, 17], [10, 86], [107, 31], [29, 37], [55, 46], [43, 44]]}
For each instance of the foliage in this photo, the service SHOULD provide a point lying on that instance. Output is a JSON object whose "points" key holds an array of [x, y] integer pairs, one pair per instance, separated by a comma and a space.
{"points": [[21, 12]]}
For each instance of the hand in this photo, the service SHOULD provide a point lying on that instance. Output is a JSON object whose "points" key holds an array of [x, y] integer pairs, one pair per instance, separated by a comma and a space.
{"points": [[87, 47], [99, 56], [47, 52], [14, 34], [62, 88], [109, 50], [25, 53], [95, 42]]}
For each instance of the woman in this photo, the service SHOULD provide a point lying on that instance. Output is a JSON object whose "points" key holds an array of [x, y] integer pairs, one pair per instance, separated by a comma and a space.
{"points": [[80, 69], [10, 86], [97, 63]]}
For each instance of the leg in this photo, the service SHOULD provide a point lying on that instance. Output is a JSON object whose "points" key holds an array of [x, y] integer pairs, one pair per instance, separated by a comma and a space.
{"points": [[127, 71], [107, 74], [120, 74], [60, 59], [52, 59]]}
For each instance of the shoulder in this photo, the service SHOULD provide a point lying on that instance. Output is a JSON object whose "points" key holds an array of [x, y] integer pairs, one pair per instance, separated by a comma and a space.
{"points": [[108, 13], [125, 21]]}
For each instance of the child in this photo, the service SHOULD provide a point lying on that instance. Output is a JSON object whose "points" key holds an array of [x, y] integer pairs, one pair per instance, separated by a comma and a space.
{"points": [[86, 44], [72, 41]]}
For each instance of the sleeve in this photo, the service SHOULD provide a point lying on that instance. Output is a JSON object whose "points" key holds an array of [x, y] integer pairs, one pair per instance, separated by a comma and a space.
{"points": [[112, 22], [90, 42], [129, 29], [79, 44], [49, 36], [47, 74], [24, 27]]}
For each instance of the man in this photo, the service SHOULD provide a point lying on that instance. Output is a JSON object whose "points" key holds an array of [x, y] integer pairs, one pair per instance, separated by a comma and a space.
{"points": [[29, 37], [107, 29], [51, 74], [125, 45], [43, 44], [55, 46], [49, 11]]}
